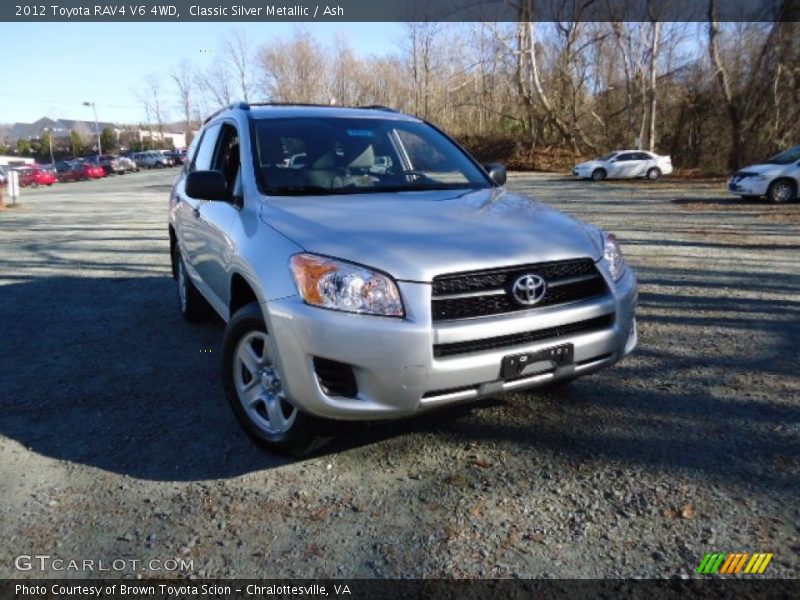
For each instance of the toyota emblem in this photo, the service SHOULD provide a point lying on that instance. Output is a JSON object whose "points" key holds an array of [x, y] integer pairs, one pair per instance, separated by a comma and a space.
{"points": [[529, 289]]}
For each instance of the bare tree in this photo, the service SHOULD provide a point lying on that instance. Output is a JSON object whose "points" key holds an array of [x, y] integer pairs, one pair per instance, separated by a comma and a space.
{"points": [[238, 55], [215, 83], [294, 70], [183, 78]]}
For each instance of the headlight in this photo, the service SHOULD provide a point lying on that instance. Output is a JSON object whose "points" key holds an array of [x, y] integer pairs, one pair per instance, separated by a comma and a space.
{"points": [[340, 285], [612, 255]]}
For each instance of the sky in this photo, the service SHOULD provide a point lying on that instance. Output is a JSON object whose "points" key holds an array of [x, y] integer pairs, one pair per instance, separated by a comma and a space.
{"points": [[58, 66]]}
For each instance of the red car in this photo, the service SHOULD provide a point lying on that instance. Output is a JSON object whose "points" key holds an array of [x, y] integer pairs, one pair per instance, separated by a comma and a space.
{"points": [[78, 171], [92, 171], [34, 176]]}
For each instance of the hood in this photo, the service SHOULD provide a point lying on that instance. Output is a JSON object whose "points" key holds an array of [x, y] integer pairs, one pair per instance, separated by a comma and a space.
{"points": [[590, 164], [764, 169], [415, 236]]}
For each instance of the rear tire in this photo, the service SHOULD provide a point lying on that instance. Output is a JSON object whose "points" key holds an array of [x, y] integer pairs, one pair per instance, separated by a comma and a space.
{"points": [[782, 191], [253, 387], [191, 303], [653, 173], [599, 174]]}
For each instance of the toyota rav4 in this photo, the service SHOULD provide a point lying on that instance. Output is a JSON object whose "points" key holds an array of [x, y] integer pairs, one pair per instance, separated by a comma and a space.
{"points": [[362, 288]]}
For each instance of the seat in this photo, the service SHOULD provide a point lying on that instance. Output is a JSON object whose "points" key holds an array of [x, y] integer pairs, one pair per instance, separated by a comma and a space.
{"points": [[361, 160], [322, 171]]}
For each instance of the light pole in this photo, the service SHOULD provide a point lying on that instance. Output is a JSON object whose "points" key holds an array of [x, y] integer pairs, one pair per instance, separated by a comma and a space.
{"points": [[96, 128], [50, 137]]}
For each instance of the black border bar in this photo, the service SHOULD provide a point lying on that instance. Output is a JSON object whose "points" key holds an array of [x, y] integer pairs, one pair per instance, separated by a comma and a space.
{"points": [[123, 11]]}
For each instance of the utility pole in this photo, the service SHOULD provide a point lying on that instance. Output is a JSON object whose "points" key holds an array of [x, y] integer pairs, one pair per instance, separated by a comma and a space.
{"points": [[96, 128], [50, 137]]}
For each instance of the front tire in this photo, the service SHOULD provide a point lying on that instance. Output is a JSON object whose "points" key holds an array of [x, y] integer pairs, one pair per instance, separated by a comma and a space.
{"points": [[599, 174], [254, 390], [191, 303], [653, 173], [781, 191]]}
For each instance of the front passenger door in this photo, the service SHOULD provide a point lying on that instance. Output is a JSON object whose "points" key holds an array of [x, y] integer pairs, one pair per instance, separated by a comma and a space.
{"points": [[188, 209], [624, 164], [216, 218]]}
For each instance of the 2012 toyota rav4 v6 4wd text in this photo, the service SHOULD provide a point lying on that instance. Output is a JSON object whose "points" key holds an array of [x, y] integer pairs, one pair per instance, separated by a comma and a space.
{"points": [[387, 274]]}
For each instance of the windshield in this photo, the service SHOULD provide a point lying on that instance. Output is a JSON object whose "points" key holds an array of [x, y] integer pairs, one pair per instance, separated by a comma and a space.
{"points": [[786, 157], [330, 155]]}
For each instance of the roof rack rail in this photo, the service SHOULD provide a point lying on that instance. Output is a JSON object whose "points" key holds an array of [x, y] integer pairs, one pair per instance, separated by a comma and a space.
{"points": [[246, 106], [238, 104], [291, 104], [378, 107]]}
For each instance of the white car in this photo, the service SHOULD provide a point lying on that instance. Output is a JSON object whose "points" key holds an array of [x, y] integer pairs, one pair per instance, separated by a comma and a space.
{"points": [[624, 164], [778, 179], [153, 159]]}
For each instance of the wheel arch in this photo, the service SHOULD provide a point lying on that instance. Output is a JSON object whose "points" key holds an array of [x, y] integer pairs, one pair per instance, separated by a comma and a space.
{"points": [[173, 245], [241, 293], [788, 178]]}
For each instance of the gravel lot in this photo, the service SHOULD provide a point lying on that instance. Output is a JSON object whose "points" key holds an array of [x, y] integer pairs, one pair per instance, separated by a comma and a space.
{"points": [[116, 443]]}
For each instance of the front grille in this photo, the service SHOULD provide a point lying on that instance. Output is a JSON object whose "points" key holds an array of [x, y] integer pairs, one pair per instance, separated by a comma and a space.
{"points": [[526, 337], [484, 293], [335, 378]]}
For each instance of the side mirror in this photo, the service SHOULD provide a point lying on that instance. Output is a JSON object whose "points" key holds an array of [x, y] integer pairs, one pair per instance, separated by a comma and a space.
{"points": [[207, 185], [497, 173]]}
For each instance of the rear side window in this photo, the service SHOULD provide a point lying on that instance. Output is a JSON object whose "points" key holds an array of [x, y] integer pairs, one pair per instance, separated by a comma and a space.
{"points": [[205, 150]]}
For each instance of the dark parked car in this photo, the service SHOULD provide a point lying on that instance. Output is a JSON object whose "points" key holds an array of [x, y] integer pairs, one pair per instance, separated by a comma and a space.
{"points": [[68, 171]]}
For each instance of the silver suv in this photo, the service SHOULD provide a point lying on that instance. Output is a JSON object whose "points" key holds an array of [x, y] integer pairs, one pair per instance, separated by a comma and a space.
{"points": [[355, 292]]}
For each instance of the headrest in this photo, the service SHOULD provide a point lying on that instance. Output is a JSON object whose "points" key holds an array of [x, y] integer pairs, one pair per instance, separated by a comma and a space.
{"points": [[365, 160]]}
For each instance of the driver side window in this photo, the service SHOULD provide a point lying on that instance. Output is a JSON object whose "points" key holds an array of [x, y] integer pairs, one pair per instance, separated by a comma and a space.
{"points": [[205, 151]]}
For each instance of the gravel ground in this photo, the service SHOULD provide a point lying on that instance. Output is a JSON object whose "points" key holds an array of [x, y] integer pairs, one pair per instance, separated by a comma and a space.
{"points": [[116, 443]]}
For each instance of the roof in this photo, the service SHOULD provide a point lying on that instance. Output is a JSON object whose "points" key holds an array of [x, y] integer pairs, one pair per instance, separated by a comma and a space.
{"points": [[279, 111]]}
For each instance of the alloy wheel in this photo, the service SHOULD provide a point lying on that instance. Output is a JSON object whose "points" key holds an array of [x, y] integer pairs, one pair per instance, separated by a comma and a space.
{"points": [[258, 385]]}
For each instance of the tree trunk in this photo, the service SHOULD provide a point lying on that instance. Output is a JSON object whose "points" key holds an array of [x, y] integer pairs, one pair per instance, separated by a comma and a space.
{"points": [[653, 96], [721, 76]]}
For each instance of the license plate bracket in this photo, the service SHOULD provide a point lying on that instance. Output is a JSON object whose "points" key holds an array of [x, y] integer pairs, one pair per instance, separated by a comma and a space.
{"points": [[514, 365]]}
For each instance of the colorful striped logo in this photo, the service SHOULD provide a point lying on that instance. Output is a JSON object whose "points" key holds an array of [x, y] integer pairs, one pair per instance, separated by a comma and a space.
{"points": [[732, 563]]}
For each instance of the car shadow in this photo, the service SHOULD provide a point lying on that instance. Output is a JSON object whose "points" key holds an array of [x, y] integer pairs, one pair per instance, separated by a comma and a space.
{"points": [[721, 200], [104, 372]]}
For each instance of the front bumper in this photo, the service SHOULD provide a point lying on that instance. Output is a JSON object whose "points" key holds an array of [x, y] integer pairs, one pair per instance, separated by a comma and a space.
{"points": [[748, 186], [393, 360]]}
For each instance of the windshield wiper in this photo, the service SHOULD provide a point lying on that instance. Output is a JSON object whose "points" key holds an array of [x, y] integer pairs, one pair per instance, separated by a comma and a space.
{"points": [[300, 190], [315, 190]]}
